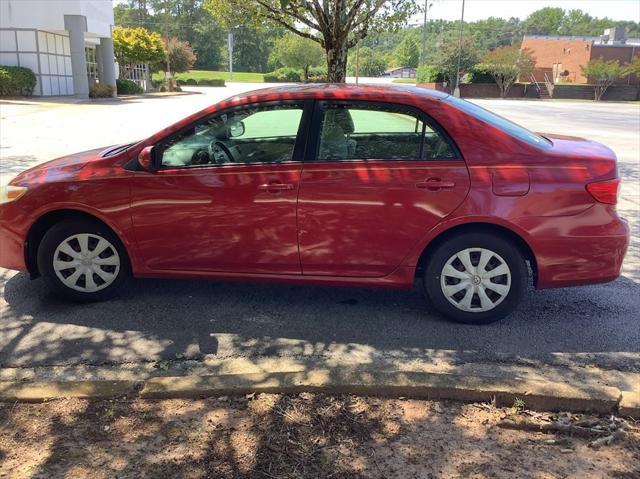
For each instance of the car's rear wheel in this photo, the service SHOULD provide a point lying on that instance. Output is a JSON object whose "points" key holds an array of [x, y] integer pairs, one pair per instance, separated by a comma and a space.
{"points": [[82, 260], [476, 278]]}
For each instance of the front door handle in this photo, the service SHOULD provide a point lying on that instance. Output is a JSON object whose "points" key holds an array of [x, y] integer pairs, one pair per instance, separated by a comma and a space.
{"points": [[275, 187], [435, 184]]}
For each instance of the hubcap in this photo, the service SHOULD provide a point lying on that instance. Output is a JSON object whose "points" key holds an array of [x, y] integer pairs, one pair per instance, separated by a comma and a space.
{"points": [[86, 262], [475, 280]]}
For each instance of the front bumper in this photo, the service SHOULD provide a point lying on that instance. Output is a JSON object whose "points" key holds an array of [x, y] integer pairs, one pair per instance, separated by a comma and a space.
{"points": [[12, 239]]}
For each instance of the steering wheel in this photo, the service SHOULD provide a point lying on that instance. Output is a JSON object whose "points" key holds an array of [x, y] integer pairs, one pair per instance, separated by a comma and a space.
{"points": [[219, 153]]}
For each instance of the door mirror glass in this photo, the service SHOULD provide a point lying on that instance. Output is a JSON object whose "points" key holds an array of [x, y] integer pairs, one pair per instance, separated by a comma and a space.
{"points": [[145, 158], [236, 129]]}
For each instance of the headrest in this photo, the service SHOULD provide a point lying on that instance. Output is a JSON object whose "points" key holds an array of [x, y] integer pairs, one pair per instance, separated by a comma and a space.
{"points": [[341, 117]]}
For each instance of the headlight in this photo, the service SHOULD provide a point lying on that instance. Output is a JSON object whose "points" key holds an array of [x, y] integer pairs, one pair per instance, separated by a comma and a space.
{"points": [[10, 193]]}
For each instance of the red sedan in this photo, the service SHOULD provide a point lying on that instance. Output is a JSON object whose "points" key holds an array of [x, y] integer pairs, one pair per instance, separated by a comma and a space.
{"points": [[327, 185]]}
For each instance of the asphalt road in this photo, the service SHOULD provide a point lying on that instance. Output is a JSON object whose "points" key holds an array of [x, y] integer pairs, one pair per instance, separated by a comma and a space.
{"points": [[153, 319]]}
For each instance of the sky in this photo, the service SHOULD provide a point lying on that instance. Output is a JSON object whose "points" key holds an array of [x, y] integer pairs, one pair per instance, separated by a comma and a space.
{"points": [[481, 9]]}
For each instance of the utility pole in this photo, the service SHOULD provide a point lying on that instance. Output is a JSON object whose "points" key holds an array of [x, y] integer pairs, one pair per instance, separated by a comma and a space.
{"points": [[456, 91], [230, 50], [357, 61], [166, 40], [423, 52]]}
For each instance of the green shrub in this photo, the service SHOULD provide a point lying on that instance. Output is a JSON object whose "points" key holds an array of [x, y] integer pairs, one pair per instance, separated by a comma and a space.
{"points": [[318, 74], [191, 82], [477, 76], [180, 81], [211, 82], [429, 74], [128, 87], [101, 90], [16, 81], [285, 74]]}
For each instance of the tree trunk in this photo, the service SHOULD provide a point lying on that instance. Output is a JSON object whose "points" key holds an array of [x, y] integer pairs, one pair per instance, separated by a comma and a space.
{"points": [[306, 73], [337, 63]]}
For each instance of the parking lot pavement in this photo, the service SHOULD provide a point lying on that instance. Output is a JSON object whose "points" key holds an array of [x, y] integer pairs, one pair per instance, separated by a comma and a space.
{"points": [[154, 319]]}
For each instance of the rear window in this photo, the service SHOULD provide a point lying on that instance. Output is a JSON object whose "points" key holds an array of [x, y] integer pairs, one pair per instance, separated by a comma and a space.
{"points": [[503, 124]]}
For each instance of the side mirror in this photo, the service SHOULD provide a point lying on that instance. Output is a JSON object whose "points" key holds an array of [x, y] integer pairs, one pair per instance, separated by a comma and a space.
{"points": [[145, 158], [236, 129]]}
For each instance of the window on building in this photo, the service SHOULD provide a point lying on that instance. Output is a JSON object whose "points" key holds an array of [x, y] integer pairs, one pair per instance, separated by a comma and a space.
{"points": [[92, 64]]}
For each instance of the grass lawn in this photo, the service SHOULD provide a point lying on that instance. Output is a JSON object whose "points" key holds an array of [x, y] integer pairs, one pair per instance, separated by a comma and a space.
{"points": [[411, 81], [208, 74]]}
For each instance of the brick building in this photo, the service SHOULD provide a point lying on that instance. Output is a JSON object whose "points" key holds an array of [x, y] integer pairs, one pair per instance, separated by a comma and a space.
{"points": [[560, 58]]}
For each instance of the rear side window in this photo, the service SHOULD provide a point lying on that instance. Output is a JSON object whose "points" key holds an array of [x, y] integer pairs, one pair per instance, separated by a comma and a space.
{"points": [[373, 132], [501, 123]]}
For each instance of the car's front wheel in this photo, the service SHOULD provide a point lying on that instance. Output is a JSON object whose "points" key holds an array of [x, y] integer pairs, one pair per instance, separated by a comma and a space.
{"points": [[82, 260], [476, 278]]}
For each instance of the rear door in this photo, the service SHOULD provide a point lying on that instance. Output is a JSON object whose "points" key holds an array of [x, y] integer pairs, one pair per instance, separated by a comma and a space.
{"points": [[377, 178]]}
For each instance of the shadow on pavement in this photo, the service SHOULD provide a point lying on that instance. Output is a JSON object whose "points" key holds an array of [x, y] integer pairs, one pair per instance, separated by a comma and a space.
{"points": [[169, 319]]}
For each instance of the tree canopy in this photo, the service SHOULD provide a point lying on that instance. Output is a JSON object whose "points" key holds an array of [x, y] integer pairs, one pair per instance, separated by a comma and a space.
{"points": [[372, 63], [602, 73], [206, 28], [505, 64], [181, 56], [297, 52], [450, 59], [337, 25], [408, 52], [137, 45]]}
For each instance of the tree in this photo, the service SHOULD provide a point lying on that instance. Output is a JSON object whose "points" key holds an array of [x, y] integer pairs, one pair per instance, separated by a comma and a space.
{"points": [[137, 45], [633, 68], [449, 57], [546, 21], [505, 64], [337, 25], [181, 56], [602, 73], [372, 63], [408, 52], [297, 52]]}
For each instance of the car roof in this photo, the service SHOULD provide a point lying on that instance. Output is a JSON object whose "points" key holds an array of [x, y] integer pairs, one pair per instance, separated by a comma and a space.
{"points": [[320, 91]]}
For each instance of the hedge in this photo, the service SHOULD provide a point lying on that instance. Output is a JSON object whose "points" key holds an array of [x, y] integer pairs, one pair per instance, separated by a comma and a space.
{"points": [[209, 82], [285, 74], [101, 90], [128, 87], [16, 81]]}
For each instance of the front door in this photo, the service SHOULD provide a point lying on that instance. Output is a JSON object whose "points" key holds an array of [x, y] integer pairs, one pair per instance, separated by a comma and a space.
{"points": [[224, 198], [380, 178]]}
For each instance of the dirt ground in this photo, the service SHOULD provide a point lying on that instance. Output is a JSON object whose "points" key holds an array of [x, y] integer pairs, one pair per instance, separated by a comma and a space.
{"points": [[307, 436]]}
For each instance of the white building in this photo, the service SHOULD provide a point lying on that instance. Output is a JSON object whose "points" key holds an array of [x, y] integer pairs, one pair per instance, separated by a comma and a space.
{"points": [[67, 43]]}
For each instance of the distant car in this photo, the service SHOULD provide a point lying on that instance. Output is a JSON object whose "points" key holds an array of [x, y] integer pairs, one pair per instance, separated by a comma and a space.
{"points": [[327, 185]]}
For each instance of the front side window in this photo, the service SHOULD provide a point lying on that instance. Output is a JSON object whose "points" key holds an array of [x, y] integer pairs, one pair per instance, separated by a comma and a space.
{"points": [[251, 135], [362, 132]]}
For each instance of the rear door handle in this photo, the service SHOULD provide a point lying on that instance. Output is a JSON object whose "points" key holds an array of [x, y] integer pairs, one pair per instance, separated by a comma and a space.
{"points": [[435, 184], [275, 187]]}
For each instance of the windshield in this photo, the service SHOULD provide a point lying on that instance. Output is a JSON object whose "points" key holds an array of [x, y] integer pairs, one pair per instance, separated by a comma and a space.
{"points": [[503, 124]]}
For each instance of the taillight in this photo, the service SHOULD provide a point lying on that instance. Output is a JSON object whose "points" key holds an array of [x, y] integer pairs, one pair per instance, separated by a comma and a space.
{"points": [[605, 191]]}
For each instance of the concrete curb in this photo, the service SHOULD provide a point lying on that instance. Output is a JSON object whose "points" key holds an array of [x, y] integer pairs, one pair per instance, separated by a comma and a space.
{"points": [[630, 404], [45, 390], [537, 395]]}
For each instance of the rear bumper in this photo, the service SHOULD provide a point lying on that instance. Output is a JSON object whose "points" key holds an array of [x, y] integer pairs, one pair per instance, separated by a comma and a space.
{"points": [[588, 248]]}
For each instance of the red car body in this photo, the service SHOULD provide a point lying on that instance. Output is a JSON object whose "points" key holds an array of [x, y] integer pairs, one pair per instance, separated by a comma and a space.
{"points": [[361, 223]]}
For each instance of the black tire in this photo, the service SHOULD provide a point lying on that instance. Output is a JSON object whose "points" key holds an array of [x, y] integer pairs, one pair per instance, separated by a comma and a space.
{"points": [[508, 251], [56, 235]]}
